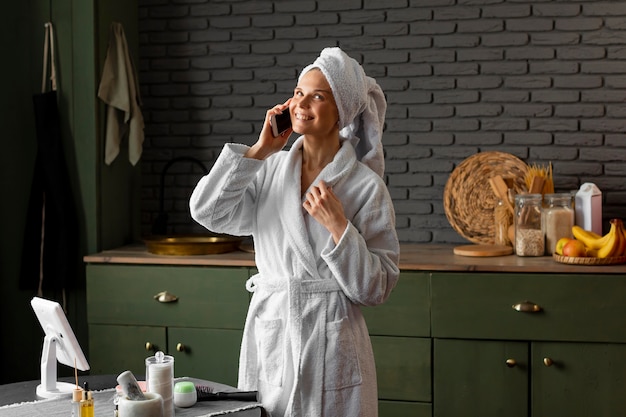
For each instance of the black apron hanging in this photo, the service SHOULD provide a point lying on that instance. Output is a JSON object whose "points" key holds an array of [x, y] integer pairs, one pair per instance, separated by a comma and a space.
{"points": [[50, 250]]}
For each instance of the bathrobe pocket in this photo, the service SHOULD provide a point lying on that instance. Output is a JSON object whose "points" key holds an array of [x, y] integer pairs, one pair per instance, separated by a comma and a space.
{"points": [[269, 336], [341, 364]]}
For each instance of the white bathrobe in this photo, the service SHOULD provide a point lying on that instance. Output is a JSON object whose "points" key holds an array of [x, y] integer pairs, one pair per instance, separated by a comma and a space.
{"points": [[306, 346]]}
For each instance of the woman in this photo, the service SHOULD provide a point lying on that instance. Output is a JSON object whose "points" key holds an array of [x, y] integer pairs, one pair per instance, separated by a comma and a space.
{"points": [[324, 231]]}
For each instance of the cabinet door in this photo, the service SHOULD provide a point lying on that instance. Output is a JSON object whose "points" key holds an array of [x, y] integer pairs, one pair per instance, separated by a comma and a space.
{"points": [[211, 354], [114, 349], [583, 379], [410, 298], [472, 378], [403, 368]]}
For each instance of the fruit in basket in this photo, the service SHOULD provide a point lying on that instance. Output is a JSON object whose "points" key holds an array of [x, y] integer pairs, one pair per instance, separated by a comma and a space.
{"points": [[574, 248], [611, 244], [589, 238], [560, 244]]}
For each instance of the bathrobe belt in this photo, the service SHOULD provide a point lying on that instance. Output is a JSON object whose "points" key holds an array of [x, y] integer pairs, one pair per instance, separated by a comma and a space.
{"points": [[306, 286]]}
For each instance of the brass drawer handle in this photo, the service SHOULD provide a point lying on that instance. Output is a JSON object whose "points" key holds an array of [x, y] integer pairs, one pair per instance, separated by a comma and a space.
{"points": [[180, 347], [527, 307], [511, 363], [165, 297], [548, 362], [149, 346]]}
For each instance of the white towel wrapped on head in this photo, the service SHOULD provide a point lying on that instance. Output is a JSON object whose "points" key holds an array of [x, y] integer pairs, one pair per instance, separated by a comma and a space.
{"points": [[361, 104]]}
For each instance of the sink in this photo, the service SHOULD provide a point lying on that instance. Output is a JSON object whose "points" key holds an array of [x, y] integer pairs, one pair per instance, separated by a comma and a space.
{"points": [[187, 245]]}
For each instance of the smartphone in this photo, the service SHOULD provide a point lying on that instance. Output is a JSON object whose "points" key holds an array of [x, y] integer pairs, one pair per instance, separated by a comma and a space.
{"points": [[280, 122]]}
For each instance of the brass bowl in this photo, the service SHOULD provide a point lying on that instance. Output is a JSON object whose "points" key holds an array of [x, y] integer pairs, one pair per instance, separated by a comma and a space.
{"points": [[187, 245]]}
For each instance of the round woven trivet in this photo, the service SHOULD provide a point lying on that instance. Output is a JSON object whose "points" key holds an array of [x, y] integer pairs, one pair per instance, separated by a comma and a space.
{"points": [[468, 199], [576, 260]]}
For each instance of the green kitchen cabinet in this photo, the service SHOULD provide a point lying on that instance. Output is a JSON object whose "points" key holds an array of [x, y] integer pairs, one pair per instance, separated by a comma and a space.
{"points": [[473, 378], [400, 333], [195, 314], [203, 327], [211, 354], [492, 378], [528, 345], [578, 379], [116, 348]]}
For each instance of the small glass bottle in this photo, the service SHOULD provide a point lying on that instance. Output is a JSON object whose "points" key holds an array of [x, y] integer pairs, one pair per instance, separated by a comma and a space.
{"points": [[77, 395], [558, 219], [503, 218], [86, 403], [529, 237]]}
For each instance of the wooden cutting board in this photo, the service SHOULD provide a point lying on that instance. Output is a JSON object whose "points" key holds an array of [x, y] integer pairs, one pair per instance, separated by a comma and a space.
{"points": [[483, 250]]}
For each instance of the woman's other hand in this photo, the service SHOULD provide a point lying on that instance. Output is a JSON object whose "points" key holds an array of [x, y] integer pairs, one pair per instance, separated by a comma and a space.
{"points": [[324, 206], [267, 144]]}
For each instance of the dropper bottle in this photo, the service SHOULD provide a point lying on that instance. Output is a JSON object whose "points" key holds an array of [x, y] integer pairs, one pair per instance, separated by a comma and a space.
{"points": [[77, 396], [86, 404]]}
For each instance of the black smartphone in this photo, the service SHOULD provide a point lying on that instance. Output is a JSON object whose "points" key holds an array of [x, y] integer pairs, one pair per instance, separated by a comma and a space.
{"points": [[280, 122]]}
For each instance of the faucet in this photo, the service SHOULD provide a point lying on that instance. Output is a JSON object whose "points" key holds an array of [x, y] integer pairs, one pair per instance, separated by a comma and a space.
{"points": [[159, 227]]}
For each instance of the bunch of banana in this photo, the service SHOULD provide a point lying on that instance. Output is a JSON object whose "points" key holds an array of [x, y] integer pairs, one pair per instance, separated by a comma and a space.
{"points": [[609, 245]]}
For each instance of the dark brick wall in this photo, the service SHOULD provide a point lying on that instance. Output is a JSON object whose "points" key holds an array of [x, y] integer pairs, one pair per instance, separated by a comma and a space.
{"points": [[542, 80]]}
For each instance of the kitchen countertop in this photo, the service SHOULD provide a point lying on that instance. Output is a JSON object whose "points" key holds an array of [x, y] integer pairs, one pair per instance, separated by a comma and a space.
{"points": [[413, 257]]}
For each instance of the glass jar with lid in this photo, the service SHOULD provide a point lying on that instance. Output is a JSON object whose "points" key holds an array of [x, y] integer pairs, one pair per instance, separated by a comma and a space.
{"points": [[558, 219], [503, 219], [529, 236]]}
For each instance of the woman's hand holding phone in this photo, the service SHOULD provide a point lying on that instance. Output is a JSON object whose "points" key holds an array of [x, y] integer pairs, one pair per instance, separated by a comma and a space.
{"points": [[268, 144]]}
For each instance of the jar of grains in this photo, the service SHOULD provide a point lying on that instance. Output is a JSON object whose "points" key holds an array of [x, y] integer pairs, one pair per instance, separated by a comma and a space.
{"points": [[529, 237], [558, 219]]}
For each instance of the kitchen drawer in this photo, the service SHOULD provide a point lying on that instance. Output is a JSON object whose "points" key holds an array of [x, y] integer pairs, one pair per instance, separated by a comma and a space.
{"points": [[406, 312], [573, 307], [403, 368], [207, 297]]}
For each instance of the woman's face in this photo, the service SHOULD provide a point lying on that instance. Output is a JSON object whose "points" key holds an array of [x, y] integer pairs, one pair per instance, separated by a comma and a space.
{"points": [[313, 108]]}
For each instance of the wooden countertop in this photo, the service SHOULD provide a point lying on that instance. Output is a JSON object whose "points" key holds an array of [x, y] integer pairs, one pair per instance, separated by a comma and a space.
{"points": [[415, 257]]}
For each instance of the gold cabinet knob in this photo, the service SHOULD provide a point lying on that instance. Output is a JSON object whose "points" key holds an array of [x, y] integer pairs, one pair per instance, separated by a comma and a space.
{"points": [[149, 346], [511, 363], [527, 307], [548, 362], [180, 347], [165, 297]]}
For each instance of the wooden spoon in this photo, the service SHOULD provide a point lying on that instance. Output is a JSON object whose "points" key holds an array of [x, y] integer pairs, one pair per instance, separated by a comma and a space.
{"points": [[501, 190]]}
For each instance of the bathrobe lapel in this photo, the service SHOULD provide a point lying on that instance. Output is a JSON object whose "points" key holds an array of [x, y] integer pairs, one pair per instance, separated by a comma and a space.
{"points": [[293, 218]]}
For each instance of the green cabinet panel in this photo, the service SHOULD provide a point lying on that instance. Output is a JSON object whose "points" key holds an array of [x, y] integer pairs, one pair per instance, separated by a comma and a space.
{"points": [[472, 378], [206, 297], [114, 349], [573, 307], [404, 409], [211, 354], [202, 328], [585, 379], [403, 368], [406, 312]]}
